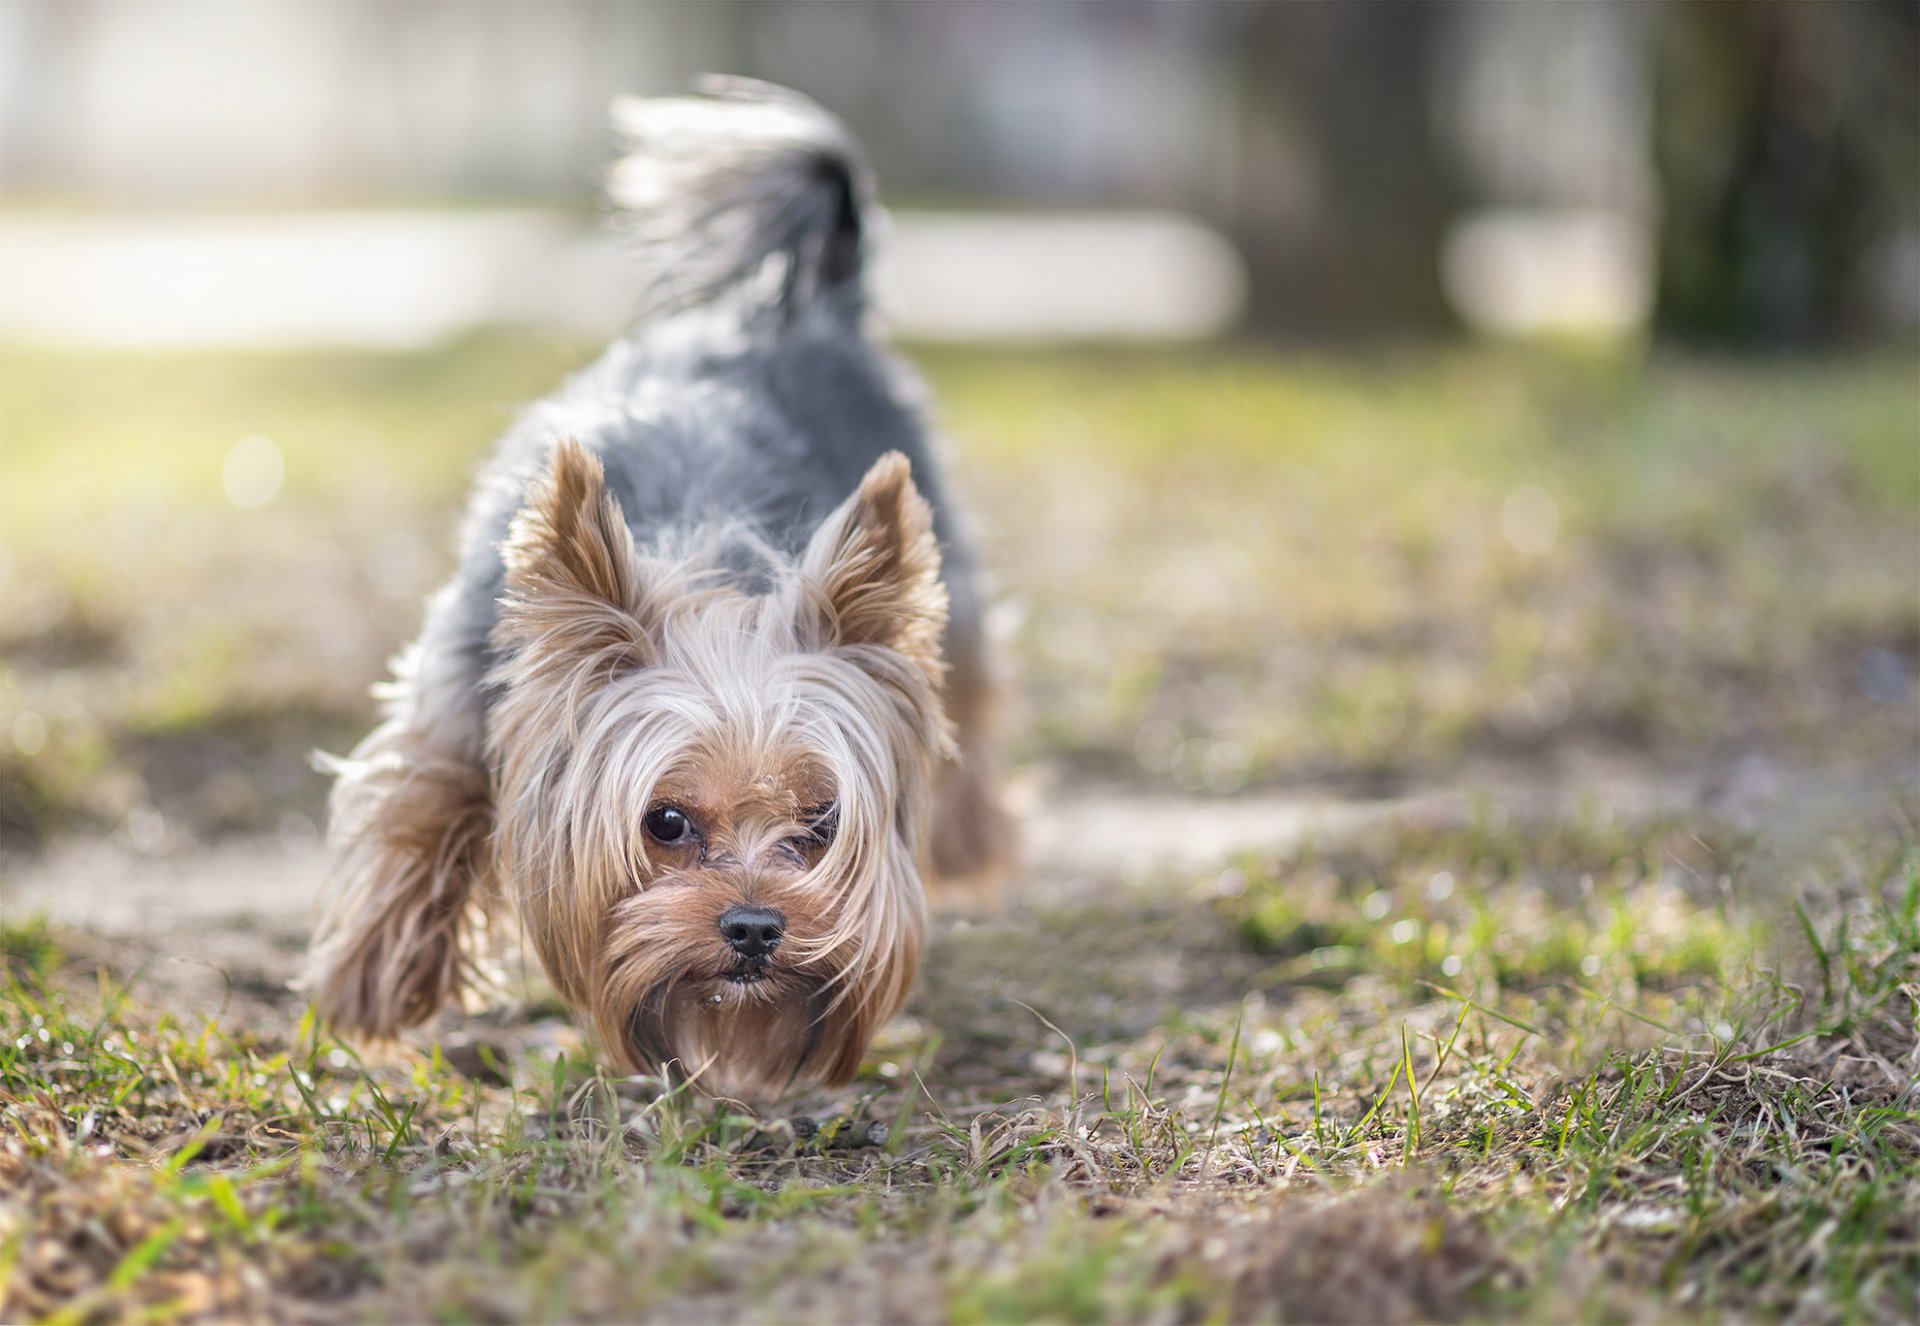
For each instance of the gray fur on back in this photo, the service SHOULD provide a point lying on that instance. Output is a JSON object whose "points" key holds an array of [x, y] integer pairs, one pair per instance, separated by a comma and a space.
{"points": [[749, 398]]}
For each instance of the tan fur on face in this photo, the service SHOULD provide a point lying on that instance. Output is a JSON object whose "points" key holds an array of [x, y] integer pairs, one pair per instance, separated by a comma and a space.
{"points": [[631, 680], [665, 997]]}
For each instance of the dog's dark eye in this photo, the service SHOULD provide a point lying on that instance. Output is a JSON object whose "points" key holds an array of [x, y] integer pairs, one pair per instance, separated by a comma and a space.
{"points": [[668, 824], [822, 823]]}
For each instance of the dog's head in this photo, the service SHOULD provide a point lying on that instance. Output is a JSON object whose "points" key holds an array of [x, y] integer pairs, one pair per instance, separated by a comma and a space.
{"points": [[712, 803]]}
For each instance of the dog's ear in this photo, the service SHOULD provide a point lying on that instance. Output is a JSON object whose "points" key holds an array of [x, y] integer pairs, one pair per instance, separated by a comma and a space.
{"points": [[871, 572], [575, 591]]}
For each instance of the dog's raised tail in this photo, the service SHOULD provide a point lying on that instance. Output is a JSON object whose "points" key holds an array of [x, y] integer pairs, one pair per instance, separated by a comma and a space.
{"points": [[748, 187]]}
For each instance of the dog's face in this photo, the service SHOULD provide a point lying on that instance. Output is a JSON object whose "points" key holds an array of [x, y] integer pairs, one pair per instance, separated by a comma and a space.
{"points": [[712, 804]]}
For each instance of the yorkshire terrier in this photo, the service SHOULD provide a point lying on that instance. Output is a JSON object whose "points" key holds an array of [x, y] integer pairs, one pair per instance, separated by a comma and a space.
{"points": [[705, 707]]}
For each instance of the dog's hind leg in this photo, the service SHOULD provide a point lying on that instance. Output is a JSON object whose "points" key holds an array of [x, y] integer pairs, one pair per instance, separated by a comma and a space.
{"points": [[973, 836], [403, 919]]}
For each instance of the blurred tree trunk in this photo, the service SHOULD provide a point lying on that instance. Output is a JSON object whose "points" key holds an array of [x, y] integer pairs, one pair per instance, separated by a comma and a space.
{"points": [[1338, 193], [1785, 141]]}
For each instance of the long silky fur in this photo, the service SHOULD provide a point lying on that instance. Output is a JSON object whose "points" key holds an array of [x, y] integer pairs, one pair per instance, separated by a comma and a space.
{"points": [[619, 669], [747, 181], [404, 925]]}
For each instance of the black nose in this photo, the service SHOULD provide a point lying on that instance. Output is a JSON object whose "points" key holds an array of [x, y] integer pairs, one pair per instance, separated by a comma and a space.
{"points": [[752, 932]]}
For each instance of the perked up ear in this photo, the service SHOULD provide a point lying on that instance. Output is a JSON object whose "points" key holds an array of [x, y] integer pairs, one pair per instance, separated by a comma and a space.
{"points": [[574, 586], [874, 566]]}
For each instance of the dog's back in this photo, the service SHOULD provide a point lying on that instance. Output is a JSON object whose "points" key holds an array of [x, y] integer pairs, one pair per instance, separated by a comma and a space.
{"points": [[748, 399]]}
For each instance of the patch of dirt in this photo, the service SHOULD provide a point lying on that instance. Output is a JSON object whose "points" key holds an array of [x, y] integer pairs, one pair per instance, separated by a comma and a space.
{"points": [[1109, 928]]}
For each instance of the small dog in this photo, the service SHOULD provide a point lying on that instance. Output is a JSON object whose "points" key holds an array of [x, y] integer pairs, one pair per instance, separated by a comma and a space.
{"points": [[707, 700]]}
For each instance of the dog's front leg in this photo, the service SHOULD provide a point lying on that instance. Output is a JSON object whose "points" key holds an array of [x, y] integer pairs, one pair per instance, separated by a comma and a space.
{"points": [[403, 919]]}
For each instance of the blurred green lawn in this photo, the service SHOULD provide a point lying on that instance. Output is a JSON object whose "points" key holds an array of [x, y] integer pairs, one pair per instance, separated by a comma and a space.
{"points": [[1217, 567]]}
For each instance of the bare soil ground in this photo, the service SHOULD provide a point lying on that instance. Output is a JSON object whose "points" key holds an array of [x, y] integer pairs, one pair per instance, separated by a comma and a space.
{"points": [[232, 914]]}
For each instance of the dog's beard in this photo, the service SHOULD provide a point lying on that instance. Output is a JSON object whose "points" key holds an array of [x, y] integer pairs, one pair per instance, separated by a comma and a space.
{"points": [[748, 1041]]}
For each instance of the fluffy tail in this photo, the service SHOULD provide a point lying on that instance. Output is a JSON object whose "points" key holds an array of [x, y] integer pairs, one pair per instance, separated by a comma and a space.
{"points": [[748, 187]]}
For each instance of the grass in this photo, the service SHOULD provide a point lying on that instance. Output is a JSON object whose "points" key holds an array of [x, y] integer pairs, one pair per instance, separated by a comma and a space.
{"points": [[1374, 571], [1622, 1054], [1383, 1146]]}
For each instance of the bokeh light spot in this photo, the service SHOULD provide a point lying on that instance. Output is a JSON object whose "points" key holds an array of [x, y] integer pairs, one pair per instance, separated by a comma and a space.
{"points": [[253, 473]]}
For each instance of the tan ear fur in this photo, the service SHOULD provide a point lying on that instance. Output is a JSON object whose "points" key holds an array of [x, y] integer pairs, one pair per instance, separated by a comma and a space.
{"points": [[573, 575], [874, 565]]}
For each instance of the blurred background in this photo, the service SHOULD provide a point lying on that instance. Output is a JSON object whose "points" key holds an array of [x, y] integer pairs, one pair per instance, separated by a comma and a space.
{"points": [[1735, 172], [1356, 398]]}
